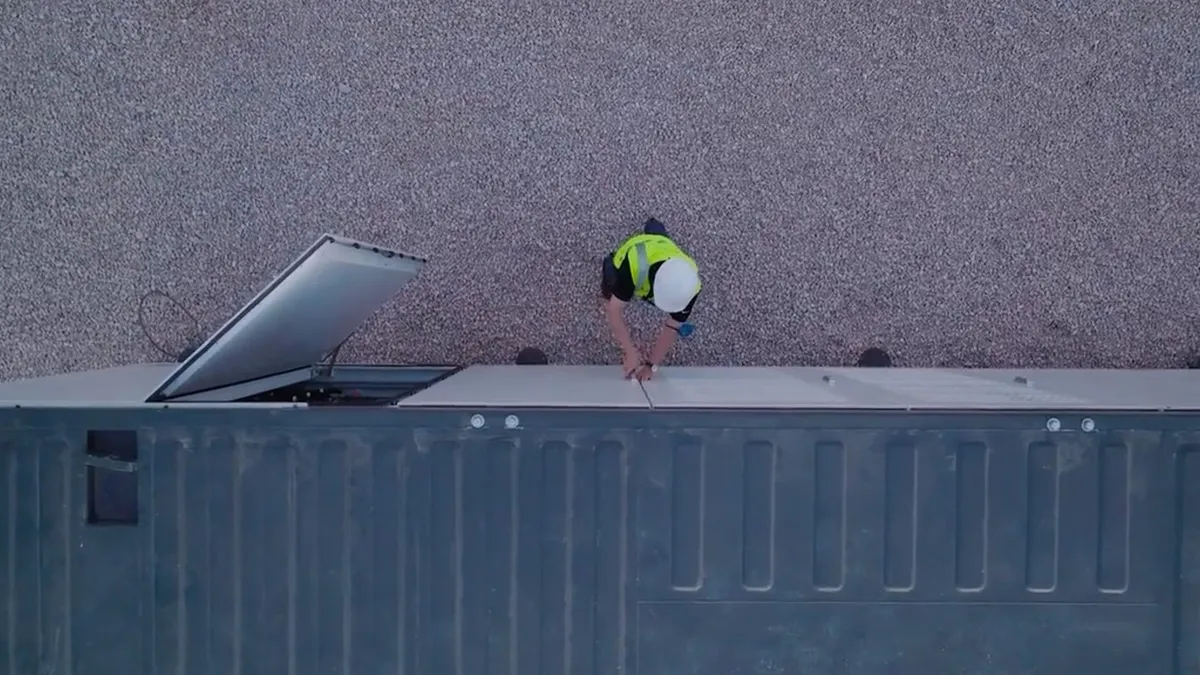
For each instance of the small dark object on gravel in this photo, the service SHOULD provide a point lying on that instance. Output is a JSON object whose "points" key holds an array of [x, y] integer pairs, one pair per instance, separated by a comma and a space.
{"points": [[1194, 362], [532, 356], [874, 358]]}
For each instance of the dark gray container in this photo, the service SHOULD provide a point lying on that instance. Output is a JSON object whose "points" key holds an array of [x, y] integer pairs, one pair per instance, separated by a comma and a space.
{"points": [[542, 521]]}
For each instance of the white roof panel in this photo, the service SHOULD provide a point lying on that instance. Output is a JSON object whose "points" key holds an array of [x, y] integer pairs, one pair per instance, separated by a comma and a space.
{"points": [[122, 384], [931, 387], [924, 388], [533, 386], [1113, 389], [299, 318], [698, 387]]}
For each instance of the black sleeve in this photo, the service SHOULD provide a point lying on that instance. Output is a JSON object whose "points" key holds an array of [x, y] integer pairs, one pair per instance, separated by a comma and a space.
{"points": [[682, 317], [623, 287]]}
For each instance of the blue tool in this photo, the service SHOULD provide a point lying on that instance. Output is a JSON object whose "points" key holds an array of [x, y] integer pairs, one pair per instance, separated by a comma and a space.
{"points": [[686, 329]]}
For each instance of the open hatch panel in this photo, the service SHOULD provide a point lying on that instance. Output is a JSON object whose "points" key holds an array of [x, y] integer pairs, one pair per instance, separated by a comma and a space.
{"points": [[273, 347]]}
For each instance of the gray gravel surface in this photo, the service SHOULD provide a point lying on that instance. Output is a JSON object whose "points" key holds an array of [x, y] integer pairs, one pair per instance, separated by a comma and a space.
{"points": [[983, 183]]}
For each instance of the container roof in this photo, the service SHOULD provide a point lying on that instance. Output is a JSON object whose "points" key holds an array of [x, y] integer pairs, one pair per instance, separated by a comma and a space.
{"points": [[817, 388], [595, 387], [299, 319]]}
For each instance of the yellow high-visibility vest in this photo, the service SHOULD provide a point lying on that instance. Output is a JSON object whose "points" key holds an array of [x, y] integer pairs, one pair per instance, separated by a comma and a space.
{"points": [[644, 251]]}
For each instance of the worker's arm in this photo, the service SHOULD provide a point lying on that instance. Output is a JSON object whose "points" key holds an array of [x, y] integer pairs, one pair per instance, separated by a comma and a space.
{"points": [[670, 331], [666, 340], [616, 321]]}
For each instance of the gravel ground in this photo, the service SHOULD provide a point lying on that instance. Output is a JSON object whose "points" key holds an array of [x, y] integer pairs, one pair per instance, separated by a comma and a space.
{"points": [[1016, 184]]}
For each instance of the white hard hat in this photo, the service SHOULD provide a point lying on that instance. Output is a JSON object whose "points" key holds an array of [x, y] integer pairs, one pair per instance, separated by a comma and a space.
{"points": [[675, 284]]}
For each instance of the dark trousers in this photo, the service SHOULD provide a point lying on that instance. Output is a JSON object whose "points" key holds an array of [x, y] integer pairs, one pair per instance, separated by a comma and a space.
{"points": [[609, 277]]}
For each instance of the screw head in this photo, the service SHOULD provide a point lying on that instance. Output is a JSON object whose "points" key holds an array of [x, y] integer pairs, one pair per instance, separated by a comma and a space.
{"points": [[1053, 424], [477, 421], [512, 422], [1088, 424]]}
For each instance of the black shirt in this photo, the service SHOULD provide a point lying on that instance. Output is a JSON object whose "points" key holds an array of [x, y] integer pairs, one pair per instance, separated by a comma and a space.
{"points": [[623, 289]]}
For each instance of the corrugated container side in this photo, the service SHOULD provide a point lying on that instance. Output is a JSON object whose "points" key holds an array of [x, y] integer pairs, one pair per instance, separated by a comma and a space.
{"points": [[721, 543]]}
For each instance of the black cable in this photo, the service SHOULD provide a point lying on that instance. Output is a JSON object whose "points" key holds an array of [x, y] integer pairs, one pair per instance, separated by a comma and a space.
{"points": [[141, 320], [326, 368]]}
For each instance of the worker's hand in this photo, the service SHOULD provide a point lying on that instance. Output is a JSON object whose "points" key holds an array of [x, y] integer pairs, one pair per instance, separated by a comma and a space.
{"points": [[644, 372], [632, 362]]}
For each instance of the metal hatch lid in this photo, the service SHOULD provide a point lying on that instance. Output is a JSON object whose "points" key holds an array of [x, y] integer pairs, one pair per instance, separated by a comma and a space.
{"points": [[299, 319]]}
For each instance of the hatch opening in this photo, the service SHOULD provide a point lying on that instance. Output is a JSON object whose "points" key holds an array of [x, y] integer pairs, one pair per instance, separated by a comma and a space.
{"points": [[356, 386]]}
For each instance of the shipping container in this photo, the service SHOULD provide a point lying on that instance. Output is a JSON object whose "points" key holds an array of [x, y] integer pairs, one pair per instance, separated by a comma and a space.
{"points": [[234, 513], [596, 541]]}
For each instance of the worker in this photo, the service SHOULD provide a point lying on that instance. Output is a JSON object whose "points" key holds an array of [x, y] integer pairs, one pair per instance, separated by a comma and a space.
{"points": [[651, 268]]}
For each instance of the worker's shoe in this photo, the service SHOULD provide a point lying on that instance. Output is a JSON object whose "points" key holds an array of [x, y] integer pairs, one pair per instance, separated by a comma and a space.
{"points": [[874, 358], [532, 356], [655, 226]]}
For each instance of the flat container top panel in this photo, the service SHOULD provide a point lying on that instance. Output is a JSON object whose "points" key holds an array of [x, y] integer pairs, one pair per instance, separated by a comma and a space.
{"points": [[533, 386], [742, 388], [124, 384], [924, 388], [299, 319]]}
